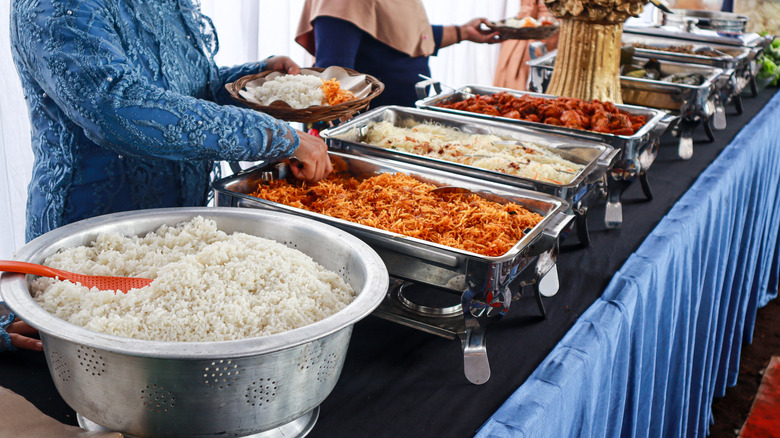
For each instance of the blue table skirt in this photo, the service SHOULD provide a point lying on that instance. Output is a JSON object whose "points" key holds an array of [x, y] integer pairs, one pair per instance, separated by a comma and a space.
{"points": [[649, 356]]}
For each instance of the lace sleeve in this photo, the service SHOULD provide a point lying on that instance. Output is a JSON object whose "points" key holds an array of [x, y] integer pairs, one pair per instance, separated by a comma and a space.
{"points": [[74, 52], [6, 318], [231, 74]]}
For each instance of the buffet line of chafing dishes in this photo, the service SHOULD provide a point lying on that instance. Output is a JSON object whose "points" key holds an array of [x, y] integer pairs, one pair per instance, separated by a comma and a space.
{"points": [[455, 293]]}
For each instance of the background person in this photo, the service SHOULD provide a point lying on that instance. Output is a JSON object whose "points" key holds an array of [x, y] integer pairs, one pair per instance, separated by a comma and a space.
{"points": [[388, 39], [511, 68]]}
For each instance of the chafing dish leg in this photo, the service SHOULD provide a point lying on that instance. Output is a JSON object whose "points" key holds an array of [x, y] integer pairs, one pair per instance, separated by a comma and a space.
{"points": [[753, 86], [718, 119], [737, 99], [581, 224], [685, 146], [646, 186], [613, 214], [475, 361], [709, 132]]}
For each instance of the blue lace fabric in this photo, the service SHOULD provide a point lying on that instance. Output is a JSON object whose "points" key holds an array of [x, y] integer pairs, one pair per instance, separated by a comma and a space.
{"points": [[128, 108], [6, 318]]}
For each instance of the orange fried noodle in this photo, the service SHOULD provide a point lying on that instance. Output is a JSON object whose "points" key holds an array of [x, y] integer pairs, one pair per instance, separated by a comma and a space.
{"points": [[333, 92], [402, 204]]}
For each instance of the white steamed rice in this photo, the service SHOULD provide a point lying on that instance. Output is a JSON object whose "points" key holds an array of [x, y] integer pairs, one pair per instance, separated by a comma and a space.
{"points": [[208, 286], [299, 91]]}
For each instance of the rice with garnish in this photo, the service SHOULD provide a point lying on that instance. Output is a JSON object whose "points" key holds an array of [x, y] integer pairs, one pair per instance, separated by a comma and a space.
{"points": [[208, 285], [298, 91], [490, 152]]}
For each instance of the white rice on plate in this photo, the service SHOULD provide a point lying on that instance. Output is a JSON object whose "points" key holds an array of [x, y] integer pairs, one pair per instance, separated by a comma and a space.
{"points": [[208, 286], [298, 91]]}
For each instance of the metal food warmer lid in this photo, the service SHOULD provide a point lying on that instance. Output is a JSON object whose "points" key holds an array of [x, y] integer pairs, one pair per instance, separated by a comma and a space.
{"points": [[696, 104], [485, 285], [638, 150], [586, 187]]}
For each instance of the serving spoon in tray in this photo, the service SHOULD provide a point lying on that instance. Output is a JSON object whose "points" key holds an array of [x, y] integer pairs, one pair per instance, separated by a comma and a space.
{"points": [[123, 284]]}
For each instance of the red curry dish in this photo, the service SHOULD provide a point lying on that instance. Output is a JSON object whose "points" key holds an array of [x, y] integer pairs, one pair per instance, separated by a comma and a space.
{"points": [[568, 112]]}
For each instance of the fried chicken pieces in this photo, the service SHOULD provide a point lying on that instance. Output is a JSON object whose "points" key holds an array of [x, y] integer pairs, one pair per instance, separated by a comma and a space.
{"points": [[568, 112]]}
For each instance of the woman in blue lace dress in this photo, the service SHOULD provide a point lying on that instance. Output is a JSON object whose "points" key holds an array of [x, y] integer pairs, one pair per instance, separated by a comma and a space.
{"points": [[128, 109]]}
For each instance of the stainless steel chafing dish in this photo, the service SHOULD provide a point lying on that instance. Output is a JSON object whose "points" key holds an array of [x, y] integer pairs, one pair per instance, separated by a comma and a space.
{"points": [[752, 42], [587, 187], [727, 23], [638, 150], [696, 104], [485, 285], [740, 61]]}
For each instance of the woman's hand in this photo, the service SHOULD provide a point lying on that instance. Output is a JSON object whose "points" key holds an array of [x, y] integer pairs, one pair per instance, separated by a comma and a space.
{"points": [[20, 333], [472, 31], [312, 156], [282, 64]]}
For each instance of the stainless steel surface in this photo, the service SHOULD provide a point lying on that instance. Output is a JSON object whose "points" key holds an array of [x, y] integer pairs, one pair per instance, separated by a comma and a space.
{"points": [[691, 101], [737, 59], [723, 22], [486, 285], [700, 35], [416, 259], [695, 104], [632, 146], [202, 389], [638, 150], [584, 190], [298, 428]]}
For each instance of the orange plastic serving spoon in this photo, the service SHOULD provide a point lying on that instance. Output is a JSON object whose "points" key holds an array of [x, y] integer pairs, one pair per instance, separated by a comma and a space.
{"points": [[123, 284]]}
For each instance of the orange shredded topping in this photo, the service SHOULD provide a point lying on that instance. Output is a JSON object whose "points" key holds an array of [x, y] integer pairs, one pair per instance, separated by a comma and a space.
{"points": [[333, 92], [402, 204]]}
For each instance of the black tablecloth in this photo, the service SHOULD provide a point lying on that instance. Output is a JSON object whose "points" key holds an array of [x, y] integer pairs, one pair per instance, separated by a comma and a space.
{"points": [[398, 381]]}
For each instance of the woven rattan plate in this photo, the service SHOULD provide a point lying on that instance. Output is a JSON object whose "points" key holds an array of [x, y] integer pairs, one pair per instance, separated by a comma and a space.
{"points": [[321, 113], [522, 33]]}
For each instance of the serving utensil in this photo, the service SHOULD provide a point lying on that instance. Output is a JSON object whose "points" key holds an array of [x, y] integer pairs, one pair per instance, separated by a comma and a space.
{"points": [[661, 4], [123, 284]]}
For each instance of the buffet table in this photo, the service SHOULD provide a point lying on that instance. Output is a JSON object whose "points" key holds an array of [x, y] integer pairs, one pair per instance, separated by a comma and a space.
{"points": [[639, 351]]}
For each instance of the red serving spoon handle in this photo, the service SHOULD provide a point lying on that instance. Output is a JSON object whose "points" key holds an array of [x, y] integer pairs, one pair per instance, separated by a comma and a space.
{"points": [[123, 284]]}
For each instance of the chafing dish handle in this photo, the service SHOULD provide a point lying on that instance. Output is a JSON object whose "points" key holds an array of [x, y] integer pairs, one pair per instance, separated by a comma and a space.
{"points": [[603, 165], [422, 87], [537, 47], [549, 236]]}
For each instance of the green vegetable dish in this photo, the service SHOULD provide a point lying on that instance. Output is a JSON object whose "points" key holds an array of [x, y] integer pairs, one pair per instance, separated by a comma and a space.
{"points": [[769, 60]]}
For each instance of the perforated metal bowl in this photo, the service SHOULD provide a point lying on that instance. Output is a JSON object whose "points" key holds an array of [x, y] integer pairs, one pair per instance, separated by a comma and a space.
{"points": [[202, 389]]}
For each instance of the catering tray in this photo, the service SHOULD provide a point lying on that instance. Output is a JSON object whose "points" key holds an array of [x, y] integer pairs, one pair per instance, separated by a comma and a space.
{"points": [[754, 42], [695, 104], [739, 59], [587, 187], [638, 150], [486, 285], [724, 23]]}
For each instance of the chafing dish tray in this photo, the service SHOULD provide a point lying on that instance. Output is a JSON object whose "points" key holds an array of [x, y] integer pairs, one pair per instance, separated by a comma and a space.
{"points": [[638, 150], [739, 59], [696, 104], [486, 285], [754, 42], [587, 187]]}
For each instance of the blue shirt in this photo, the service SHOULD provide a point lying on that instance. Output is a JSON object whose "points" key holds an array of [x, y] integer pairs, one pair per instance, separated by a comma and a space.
{"points": [[339, 42], [127, 107]]}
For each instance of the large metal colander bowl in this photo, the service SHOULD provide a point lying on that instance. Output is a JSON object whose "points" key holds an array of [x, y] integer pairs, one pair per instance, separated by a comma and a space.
{"points": [[202, 389]]}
